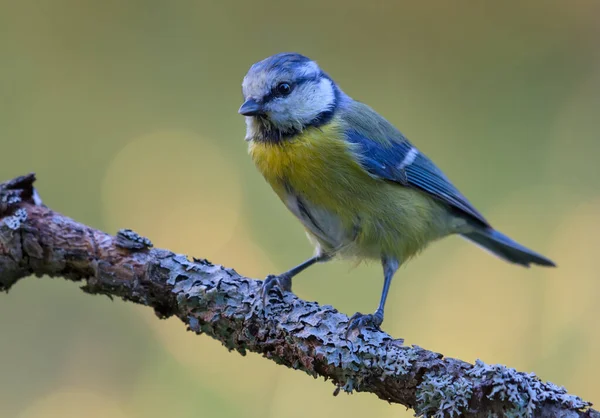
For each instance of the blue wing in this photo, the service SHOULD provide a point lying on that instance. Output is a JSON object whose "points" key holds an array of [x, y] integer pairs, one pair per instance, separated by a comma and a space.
{"points": [[396, 159]]}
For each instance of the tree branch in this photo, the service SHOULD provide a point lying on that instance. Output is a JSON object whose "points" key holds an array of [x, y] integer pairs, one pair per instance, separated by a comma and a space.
{"points": [[217, 301]]}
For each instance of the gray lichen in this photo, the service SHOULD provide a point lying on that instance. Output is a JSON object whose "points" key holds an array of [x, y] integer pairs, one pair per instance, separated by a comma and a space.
{"points": [[9, 198], [518, 395], [308, 337], [15, 221], [443, 395], [524, 391]]}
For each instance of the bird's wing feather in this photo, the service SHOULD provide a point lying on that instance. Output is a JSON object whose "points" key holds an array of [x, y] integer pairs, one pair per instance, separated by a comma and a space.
{"points": [[385, 153]]}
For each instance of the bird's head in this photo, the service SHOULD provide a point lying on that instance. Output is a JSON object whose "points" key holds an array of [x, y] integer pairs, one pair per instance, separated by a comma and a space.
{"points": [[283, 95]]}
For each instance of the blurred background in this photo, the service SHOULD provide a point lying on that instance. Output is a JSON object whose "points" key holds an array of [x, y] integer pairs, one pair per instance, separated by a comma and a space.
{"points": [[126, 110]]}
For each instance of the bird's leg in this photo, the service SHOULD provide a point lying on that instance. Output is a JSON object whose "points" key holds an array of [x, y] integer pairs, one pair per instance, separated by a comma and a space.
{"points": [[359, 320], [283, 282]]}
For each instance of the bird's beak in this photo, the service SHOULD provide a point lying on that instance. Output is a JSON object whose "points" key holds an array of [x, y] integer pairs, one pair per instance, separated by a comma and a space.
{"points": [[250, 108]]}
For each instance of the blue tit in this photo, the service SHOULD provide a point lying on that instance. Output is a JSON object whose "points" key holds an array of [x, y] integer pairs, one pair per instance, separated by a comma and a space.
{"points": [[358, 186]]}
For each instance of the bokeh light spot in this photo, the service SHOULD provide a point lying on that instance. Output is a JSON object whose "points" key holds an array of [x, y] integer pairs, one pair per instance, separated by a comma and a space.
{"points": [[175, 188]]}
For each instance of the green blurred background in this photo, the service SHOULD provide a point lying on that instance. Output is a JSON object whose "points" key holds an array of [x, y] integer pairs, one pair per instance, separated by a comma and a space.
{"points": [[127, 112]]}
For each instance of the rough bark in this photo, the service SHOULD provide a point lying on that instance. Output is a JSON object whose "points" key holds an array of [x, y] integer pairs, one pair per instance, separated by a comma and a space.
{"points": [[214, 300]]}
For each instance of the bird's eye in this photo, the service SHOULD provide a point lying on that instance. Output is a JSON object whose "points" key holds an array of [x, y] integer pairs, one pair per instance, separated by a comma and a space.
{"points": [[283, 89]]}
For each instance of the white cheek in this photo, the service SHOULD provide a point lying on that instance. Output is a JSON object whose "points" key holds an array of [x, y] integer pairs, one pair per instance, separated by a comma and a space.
{"points": [[313, 100], [303, 105]]}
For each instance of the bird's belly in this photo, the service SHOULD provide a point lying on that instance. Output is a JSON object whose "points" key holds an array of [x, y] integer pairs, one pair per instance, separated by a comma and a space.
{"points": [[323, 224], [369, 229]]}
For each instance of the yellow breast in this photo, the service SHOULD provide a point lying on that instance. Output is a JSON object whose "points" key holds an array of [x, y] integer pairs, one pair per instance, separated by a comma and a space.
{"points": [[304, 162]]}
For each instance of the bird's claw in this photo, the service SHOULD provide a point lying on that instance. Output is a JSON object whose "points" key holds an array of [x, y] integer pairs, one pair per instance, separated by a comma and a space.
{"points": [[360, 321], [280, 284]]}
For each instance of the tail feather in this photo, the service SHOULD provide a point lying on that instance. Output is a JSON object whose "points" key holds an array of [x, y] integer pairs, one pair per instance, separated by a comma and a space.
{"points": [[507, 249]]}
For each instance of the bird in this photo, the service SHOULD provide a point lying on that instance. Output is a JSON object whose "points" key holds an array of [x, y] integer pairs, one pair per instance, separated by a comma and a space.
{"points": [[360, 188]]}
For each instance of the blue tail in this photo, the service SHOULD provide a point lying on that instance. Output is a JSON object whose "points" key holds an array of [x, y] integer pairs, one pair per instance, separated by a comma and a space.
{"points": [[507, 249]]}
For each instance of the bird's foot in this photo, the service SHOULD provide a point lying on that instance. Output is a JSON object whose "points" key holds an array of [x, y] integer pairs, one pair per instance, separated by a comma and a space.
{"points": [[280, 284], [360, 321]]}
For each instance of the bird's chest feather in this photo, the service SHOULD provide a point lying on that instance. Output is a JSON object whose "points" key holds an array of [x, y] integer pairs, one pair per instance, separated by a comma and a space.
{"points": [[316, 164], [311, 174]]}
